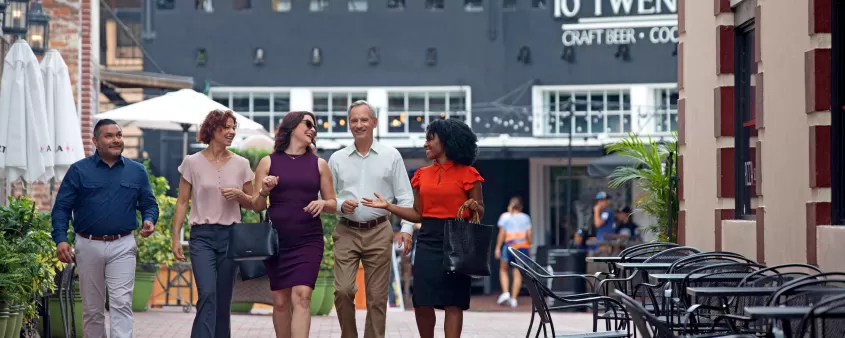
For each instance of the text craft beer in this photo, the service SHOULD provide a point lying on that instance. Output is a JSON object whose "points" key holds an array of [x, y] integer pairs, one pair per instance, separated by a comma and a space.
{"points": [[618, 36]]}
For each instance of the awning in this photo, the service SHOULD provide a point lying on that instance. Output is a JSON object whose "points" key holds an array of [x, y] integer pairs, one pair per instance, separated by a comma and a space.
{"points": [[140, 79], [605, 165]]}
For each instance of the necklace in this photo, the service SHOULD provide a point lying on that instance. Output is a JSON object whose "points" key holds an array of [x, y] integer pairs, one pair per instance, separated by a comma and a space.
{"points": [[293, 157]]}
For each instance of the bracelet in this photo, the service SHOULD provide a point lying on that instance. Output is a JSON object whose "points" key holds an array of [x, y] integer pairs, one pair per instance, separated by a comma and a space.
{"points": [[261, 192]]}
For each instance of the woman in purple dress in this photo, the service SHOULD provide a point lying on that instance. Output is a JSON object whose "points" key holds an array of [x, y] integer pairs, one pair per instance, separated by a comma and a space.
{"points": [[293, 176]]}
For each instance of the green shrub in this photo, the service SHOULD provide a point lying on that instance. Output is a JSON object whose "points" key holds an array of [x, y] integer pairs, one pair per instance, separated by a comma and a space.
{"points": [[29, 264]]}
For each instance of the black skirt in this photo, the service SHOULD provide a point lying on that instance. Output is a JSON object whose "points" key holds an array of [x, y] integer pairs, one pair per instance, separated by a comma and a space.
{"points": [[433, 286]]}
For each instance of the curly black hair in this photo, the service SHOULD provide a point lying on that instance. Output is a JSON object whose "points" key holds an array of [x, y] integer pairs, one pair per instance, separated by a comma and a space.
{"points": [[458, 141]]}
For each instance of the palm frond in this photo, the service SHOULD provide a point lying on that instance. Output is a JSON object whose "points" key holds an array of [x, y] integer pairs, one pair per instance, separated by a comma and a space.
{"points": [[650, 176]]}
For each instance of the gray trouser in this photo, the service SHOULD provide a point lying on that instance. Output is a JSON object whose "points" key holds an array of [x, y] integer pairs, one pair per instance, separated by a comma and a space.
{"points": [[214, 275], [104, 265]]}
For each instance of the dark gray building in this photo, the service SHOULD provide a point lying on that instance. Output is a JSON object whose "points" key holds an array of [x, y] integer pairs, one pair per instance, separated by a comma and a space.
{"points": [[512, 69]]}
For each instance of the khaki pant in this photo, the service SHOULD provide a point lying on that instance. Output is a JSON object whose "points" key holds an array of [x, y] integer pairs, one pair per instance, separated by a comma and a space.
{"points": [[371, 247], [106, 265]]}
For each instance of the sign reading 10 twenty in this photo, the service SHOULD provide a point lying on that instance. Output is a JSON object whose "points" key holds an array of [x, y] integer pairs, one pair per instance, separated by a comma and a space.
{"points": [[616, 22]]}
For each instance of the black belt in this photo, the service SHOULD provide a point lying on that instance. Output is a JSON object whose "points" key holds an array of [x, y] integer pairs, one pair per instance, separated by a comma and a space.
{"points": [[107, 238], [363, 225]]}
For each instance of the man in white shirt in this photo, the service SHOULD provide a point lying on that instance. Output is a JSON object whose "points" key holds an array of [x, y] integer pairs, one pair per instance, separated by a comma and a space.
{"points": [[364, 234]]}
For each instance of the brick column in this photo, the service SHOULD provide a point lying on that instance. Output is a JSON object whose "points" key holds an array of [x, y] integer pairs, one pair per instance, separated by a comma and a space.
{"points": [[723, 115], [817, 95]]}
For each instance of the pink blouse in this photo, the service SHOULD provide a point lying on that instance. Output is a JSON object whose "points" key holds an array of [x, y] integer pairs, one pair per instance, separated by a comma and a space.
{"points": [[208, 206]]}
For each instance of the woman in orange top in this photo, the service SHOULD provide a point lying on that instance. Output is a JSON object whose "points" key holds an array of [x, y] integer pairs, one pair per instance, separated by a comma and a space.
{"points": [[439, 191]]}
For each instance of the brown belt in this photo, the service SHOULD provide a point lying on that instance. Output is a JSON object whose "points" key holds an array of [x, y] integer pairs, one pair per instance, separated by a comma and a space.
{"points": [[107, 238], [363, 225]]}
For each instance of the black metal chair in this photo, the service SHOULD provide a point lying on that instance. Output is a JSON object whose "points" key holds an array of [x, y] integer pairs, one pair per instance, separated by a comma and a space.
{"points": [[649, 326], [65, 292], [540, 292]]}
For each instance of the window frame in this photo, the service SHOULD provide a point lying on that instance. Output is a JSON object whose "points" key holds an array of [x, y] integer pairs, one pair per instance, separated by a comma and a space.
{"points": [[426, 112], [559, 114], [744, 126], [275, 114], [666, 110], [837, 123], [330, 113]]}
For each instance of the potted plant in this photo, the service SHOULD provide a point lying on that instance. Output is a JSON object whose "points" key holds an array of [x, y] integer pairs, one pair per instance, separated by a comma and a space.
{"points": [[650, 175], [29, 262]]}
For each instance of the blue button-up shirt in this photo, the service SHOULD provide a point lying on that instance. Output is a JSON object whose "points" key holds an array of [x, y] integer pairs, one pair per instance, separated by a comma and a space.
{"points": [[103, 200]]}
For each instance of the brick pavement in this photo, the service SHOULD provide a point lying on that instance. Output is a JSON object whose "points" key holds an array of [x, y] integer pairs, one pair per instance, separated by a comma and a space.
{"points": [[172, 322]]}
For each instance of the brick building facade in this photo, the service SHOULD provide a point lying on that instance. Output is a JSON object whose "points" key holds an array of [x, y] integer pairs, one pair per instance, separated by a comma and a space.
{"points": [[755, 130], [74, 27]]}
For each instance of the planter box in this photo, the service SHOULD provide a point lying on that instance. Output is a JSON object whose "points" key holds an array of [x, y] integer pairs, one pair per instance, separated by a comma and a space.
{"points": [[56, 328]]}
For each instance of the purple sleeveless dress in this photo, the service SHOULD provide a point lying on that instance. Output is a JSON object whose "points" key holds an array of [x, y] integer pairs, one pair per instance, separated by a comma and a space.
{"points": [[300, 234]]}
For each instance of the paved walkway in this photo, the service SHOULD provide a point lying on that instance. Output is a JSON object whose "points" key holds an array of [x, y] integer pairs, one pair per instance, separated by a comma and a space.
{"points": [[172, 322]]}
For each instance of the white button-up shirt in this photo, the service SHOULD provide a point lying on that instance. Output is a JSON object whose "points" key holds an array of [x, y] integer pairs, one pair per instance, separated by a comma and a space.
{"points": [[381, 171]]}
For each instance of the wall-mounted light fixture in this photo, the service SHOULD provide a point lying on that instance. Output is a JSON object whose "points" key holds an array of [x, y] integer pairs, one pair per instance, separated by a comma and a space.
{"points": [[373, 56], [524, 55], [568, 54], [316, 56], [15, 18], [431, 56], [623, 52], [38, 30], [202, 57], [258, 58]]}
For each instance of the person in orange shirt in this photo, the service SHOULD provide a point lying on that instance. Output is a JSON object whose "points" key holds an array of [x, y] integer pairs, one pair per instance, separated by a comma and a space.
{"points": [[439, 192], [514, 232]]}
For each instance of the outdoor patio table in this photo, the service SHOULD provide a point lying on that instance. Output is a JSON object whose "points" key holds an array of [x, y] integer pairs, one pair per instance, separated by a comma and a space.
{"points": [[604, 259], [644, 266], [677, 277], [787, 312], [730, 291], [742, 291]]}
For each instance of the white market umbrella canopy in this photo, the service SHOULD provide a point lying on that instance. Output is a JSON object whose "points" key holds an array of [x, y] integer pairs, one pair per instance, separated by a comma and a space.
{"points": [[24, 136], [62, 117], [183, 110]]}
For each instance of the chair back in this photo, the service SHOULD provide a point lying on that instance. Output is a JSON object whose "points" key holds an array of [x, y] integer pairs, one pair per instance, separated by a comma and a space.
{"points": [[672, 255], [541, 273], [646, 323], [776, 275], [817, 322], [537, 301], [690, 263], [645, 250]]}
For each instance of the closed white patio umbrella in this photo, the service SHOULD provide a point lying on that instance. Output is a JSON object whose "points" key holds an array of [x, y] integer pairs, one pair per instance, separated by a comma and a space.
{"points": [[182, 110], [24, 139], [62, 117]]}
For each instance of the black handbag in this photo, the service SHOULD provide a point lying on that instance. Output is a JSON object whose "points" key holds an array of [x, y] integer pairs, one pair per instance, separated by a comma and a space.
{"points": [[467, 246], [251, 270], [253, 241]]}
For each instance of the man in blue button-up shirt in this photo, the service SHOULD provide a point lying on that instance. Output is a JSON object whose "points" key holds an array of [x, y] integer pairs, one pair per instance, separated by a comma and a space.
{"points": [[101, 193]]}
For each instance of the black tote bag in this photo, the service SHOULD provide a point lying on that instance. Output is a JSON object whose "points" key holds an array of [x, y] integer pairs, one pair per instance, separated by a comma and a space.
{"points": [[253, 241], [467, 246], [251, 270]]}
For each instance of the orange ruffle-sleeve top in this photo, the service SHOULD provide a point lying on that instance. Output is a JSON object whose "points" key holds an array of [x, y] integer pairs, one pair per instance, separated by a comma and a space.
{"points": [[443, 188]]}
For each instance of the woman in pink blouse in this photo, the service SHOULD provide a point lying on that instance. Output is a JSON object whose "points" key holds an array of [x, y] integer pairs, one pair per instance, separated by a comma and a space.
{"points": [[217, 182]]}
